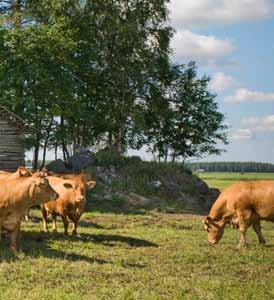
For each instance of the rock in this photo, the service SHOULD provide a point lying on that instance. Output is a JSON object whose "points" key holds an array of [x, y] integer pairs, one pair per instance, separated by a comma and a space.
{"points": [[107, 197], [202, 187], [58, 166], [136, 199], [107, 174], [80, 160], [156, 184]]}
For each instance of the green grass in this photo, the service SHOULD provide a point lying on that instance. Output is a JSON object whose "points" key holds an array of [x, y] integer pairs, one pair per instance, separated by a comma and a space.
{"points": [[222, 180], [152, 256]]}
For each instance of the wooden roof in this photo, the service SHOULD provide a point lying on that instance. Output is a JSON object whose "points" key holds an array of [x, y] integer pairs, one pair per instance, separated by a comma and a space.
{"points": [[12, 118]]}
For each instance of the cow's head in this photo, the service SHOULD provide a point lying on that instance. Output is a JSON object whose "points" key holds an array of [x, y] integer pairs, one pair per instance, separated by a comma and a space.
{"points": [[40, 189], [23, 172], [215, 230], [78, 185]]}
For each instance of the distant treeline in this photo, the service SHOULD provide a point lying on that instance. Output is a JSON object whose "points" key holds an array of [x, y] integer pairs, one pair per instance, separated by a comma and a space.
{"points": [[232, 167]]}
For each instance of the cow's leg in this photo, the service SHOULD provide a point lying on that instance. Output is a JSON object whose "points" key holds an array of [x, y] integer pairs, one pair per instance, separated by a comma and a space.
{"points": [[66, 223], [13, 238], [54, 223], [44, 218], [244, 222], [257, 228], [74, 225], [27, 215]]}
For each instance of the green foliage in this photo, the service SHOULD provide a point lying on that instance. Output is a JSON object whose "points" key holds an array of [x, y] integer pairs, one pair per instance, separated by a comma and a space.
{"points": [[83, 73], [185, 121], [108, 158]]}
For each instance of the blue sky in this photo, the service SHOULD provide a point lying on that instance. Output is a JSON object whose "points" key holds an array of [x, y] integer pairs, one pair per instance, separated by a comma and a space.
{"points": [[232, 41]]}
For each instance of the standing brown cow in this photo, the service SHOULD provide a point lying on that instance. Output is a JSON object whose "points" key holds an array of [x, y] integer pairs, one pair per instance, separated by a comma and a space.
{"points": [[71, 201], [16, 195], [250, 202]]}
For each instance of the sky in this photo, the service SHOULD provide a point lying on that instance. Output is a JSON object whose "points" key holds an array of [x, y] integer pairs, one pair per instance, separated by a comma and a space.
{"points": [[232, 41]]}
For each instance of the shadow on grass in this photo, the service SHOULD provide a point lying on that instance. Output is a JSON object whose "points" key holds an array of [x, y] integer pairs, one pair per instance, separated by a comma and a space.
{"points": [[36, 244], [110, 240], [90, 224], [104, 239]]}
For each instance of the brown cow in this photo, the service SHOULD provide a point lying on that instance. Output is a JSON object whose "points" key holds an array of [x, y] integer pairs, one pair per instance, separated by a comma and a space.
{"points": [[20, 172], [16, 195], [71, 201], [250, 201]]}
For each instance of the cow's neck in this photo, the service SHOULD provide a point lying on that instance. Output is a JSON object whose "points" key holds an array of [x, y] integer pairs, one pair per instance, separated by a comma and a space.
{"points": [[219, 210]]}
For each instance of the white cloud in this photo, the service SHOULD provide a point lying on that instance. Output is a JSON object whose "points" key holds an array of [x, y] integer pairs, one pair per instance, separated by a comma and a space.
{"points": [[195, 13], [203, 49], [264, 124], [221, 82], [254, 125], [242, 134], [245, 95]]}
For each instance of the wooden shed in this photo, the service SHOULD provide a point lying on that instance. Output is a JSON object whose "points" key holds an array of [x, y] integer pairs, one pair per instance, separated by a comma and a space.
{"points": [[12, 140]]}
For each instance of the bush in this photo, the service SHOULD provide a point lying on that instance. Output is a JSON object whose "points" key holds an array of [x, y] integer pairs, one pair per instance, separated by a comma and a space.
{"points": [[106, 157]]}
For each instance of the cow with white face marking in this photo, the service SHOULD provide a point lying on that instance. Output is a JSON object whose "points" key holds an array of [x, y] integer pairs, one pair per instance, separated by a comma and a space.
{"points": [[71, 202]]}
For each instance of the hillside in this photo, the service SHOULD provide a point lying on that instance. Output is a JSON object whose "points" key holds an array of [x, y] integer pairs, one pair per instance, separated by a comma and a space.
{"points": [[130, 184]]}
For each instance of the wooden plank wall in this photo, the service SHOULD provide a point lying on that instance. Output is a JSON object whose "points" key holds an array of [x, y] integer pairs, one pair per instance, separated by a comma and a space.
{"points": [[12, 146]]}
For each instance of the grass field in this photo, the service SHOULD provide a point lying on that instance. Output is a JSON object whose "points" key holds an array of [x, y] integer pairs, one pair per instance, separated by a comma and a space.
{"points": [[124, 256], [222, 180]]}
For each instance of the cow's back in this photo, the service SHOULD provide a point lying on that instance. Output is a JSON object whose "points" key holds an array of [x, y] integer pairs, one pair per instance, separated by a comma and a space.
{"points": [[257, 196], [262, 198]]}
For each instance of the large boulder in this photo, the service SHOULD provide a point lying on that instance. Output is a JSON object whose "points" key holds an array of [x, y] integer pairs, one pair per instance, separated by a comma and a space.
{"points": [[81, 160], [57, 166]]}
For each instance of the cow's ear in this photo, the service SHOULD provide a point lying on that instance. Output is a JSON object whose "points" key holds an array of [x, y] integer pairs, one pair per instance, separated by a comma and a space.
{"points": [[67, 185], [90, 184], [86, 177], [23, 172], [207, 220]]}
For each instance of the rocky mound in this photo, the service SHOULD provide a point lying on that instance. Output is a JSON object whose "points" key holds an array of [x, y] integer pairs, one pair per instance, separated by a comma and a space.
{"points": [[147, 185]]}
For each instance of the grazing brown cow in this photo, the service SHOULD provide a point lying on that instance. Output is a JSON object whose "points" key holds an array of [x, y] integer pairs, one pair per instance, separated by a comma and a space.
{"points": [[16, 195], [71, 201], [250, 202], [234, 222]]}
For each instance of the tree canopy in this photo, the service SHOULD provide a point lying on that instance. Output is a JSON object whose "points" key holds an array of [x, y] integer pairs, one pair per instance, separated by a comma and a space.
{"points": [[89, 73]]}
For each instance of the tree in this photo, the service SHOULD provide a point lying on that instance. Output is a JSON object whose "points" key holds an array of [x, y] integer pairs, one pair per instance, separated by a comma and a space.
{"points": [[186, 121], [83, 73]]}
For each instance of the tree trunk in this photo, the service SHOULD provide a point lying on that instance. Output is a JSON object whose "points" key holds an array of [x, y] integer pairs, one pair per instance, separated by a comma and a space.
{"points": [[55, 151], [16, 13], [64, 147], [35, 157], [46, 144], [173, 157]]}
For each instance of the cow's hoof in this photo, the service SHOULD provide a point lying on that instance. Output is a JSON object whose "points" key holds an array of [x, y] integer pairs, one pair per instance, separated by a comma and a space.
{"points": [[14, 250], [242, 246]]}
